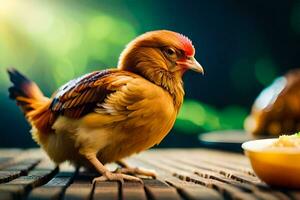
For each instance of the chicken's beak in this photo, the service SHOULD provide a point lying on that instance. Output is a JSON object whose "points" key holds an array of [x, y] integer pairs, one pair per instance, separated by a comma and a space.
{"points": [[195, 66], [191, 63]]}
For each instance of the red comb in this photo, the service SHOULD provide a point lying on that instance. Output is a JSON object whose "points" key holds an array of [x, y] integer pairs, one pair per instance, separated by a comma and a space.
{"points": [[187, 45]]}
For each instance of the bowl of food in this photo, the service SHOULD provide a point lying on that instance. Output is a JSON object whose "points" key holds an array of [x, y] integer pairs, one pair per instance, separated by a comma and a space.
{"points": [[276, 161]]}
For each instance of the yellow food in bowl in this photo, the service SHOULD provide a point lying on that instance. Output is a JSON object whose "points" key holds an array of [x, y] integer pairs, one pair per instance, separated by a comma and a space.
{"points": [[287, 141], [276, 161]]}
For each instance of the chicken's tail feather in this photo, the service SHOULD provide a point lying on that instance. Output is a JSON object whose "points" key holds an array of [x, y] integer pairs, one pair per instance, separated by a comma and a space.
{"points": [[30, 99], [24, 91]]}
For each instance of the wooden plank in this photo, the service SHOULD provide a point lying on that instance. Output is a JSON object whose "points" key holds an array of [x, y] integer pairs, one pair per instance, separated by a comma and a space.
{"points": [[231, 192], [44, 193], [23, 166], [19, 187], [210, 171], [229, 173], [158, 190], [227, 190], [23, 184], [228, 164], [194, 191], [12, 192], [80, 189], [54, 189], [14, 156], [6, 176], [133, 191], [263, 194], [10, 153], [163, 172], [5, 161], [236, 159], [106, 191], [33, 179]]}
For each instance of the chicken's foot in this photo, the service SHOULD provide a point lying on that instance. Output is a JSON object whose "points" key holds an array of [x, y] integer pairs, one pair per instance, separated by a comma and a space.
{"points": [[126, 169], [107, 175]]}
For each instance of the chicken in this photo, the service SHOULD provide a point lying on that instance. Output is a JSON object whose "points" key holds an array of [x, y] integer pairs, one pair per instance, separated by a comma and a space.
{"points": [[276, 110], [107, 115]]}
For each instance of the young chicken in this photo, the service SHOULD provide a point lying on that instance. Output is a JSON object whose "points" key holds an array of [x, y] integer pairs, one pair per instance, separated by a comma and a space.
{"points": [[107, 115]]}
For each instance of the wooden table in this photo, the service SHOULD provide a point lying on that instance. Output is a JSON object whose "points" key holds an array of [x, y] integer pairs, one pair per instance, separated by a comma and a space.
{"points": [[182, 174]]}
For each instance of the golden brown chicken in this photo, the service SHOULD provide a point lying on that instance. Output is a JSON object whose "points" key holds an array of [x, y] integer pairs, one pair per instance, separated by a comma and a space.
{"points": [[107, 115], [276, 111]]}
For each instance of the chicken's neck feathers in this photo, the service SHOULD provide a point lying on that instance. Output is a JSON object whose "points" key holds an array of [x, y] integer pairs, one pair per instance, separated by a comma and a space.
{"points": [[169, 81]]}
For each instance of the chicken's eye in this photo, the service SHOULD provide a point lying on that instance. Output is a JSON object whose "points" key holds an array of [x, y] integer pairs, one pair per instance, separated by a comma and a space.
{"points": [[170, 52]]}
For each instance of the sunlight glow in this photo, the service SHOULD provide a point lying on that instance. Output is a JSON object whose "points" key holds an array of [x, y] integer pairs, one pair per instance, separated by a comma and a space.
{"points": [[61, 40]]}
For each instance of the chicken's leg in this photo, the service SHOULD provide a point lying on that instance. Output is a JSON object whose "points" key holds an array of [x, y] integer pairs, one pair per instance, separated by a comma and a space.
{"points": [[106, 174], [126, 169]]}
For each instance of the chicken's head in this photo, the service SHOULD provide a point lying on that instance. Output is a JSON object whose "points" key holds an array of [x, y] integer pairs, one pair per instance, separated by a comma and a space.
{"points": [[157, 52]]}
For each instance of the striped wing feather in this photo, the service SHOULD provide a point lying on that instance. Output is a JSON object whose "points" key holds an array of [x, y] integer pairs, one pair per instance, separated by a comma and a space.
{"points": [[80, 96]]}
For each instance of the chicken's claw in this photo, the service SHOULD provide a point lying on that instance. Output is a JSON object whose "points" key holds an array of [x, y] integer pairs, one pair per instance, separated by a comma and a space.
{"points": [[109, 176], [136, 171]]}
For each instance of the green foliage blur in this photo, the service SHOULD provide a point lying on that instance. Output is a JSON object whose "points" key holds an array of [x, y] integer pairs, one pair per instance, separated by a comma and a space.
{"points": [[53, 43], [196, 117]]}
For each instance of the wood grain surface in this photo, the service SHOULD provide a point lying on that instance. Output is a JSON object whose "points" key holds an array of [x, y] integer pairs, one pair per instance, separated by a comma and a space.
{"points": [[198, 174]]}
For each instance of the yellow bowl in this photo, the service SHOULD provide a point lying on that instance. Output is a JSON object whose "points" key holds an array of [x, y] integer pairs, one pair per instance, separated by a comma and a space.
{"points": [[278, 167]]}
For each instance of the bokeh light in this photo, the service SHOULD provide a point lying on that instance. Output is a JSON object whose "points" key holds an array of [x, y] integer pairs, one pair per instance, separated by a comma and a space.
{"points": [[265, 71], [196, 116]]}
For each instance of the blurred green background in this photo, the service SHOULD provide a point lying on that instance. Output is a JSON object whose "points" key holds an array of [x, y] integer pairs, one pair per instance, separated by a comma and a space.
{"points": [[243, 46]]}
